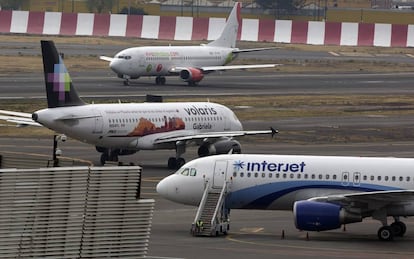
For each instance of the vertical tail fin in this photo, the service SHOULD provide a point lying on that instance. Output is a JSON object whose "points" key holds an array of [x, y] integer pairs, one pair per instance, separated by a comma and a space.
{"points": [[229, 35], [59, 89]]}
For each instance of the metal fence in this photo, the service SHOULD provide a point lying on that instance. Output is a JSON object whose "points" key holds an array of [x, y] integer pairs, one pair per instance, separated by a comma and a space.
{"points": [[24, 160], [73, 212]]}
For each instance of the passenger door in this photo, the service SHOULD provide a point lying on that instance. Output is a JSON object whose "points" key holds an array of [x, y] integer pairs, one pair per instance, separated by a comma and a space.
{"points": [[220, 172]]}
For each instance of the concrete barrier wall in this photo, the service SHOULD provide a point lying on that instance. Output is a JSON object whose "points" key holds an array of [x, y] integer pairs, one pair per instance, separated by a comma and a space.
{"points": [[189, 28]]}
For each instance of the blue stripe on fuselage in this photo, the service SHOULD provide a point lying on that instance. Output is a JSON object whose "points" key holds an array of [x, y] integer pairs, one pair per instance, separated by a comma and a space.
{"points": [[262, 196]]}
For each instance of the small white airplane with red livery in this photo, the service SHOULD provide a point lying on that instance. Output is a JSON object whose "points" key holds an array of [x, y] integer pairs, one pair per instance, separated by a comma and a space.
{"points": [[190, 63]]}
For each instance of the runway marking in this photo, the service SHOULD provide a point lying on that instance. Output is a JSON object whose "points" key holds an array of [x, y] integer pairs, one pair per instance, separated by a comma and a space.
{"points": [[162, 257], [410, 55], [252, 230], [334, 54], [284, 245], [356, 54]]}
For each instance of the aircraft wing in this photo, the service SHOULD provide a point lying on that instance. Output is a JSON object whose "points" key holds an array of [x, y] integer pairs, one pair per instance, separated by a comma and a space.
{"points": [[206, 69], [109, 59], [235, 51], [369, 200], [19, 118], [210, 135]]}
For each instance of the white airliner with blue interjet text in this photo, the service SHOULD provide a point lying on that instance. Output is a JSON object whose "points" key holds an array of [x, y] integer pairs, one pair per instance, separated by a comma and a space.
{"points": [[324, 192], [190, 63], [125, 128]]}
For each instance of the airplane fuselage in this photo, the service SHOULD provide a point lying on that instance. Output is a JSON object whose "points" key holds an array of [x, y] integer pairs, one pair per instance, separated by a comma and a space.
{"points": [[276, 182], [137, 126], [159, 60]]}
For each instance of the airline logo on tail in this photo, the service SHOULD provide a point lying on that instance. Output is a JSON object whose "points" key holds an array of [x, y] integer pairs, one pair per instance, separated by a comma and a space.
{"points": [[60, 79]]}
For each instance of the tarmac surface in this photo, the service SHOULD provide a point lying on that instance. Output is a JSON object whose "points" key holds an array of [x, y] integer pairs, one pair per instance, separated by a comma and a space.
{"points": [[264, 234], [267, 234]]}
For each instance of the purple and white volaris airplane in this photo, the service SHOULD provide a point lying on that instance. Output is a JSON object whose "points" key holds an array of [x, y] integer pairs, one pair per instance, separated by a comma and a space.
{"points": [[124, 128], [324, 192], [190, 63]]}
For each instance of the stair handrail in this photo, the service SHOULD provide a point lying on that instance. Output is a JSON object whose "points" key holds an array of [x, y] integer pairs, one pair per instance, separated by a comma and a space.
{"points": [[202, 202], [219, 203]]}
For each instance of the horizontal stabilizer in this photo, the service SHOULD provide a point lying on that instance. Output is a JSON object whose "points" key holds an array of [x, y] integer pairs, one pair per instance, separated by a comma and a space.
{"points": [[18, 114], [232, 67], [19, 121]]}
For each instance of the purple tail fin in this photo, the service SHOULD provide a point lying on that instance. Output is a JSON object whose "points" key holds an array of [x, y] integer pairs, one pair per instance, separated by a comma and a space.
{"points": [[59, 87]]}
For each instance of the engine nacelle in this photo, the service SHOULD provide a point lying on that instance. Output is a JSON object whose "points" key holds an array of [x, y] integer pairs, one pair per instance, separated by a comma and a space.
{"points": [[122, 76], [191, 74], [320, 216], [120, 152], [219, 147]]}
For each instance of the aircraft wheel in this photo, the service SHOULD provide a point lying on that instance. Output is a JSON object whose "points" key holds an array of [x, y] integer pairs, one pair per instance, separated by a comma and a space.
{"points": [[126, 82], [104, 158], [398, 228], [180, 162], [158, 80], [172, 163], [162, 80], [385, 233]]}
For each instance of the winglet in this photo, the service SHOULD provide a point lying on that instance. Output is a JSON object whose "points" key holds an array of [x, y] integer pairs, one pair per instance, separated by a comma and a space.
{"points": [[59, 89], [274, 131]]}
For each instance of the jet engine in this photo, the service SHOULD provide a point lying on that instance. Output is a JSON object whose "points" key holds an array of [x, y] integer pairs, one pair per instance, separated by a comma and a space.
{"points": [[119, 152], [191, 75], [320, 216], [219, 147]]}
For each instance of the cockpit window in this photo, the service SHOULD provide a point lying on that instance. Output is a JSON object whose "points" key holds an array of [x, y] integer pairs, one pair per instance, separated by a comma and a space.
{"points": [[193, 172], [124, 57], [184, 171]]}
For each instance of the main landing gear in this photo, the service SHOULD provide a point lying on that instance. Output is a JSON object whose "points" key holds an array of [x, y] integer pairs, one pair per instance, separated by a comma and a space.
{"points": [[109, 155], [192, 83], [160, 80], [388, 232], [177, 161]]}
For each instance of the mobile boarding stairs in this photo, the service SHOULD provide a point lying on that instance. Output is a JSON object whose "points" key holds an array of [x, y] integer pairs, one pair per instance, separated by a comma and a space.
{"points": [[212, 218]]}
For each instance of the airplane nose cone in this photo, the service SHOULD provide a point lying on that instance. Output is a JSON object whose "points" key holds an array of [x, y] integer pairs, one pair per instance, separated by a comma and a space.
{"points": [[163, 188], [114, 65]]}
